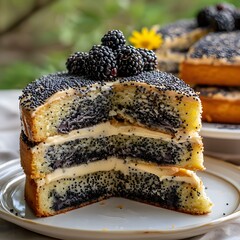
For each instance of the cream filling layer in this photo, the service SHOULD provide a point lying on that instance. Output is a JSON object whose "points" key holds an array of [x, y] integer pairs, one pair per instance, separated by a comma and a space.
{"points": [[124, 166], [107, 129]]}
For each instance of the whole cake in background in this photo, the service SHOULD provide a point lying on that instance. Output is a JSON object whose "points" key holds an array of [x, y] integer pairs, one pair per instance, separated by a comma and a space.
{"points": [[111, 126], [179, 36], [213, 67], [204, 52]]}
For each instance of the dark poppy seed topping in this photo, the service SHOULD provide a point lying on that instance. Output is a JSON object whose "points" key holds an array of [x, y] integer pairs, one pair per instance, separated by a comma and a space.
{"points": [[178, 28], [37, 92], [218, 45], [113, 39]]}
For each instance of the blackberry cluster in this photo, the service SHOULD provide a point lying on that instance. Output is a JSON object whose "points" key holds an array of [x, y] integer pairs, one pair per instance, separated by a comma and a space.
{"points": [[76, 63], [221, 17], [112, 59]]}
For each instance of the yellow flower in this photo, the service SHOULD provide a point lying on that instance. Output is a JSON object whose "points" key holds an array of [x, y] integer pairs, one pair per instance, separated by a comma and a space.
{"points": [[149, 39]]}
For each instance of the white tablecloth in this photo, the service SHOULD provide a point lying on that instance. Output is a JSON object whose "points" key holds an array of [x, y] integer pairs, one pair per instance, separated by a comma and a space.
{"points": [[9, 149]]}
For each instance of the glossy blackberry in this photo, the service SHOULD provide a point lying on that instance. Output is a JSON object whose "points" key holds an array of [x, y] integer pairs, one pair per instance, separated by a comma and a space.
{"points": [[205, 16], [101, 63], [129, 61], [76, 63], [223, 21], [149, 59], [113, 39]]}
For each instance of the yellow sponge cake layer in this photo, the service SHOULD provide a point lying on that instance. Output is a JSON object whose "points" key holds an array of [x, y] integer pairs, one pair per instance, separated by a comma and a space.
{"points": [[60, 103]]}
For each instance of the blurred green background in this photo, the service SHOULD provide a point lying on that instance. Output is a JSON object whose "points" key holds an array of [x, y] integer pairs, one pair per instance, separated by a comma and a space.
{"points": [[37, 36]]}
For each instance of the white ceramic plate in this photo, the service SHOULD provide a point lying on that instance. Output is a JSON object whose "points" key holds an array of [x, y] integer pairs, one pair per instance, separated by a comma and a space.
{"points": [[119, 218], [218, 130]]}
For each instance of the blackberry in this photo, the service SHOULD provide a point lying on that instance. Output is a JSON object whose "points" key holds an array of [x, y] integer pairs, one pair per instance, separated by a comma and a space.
{"points": [[149, 59], [113, 39], [76, 63], [101, 63], [237, 19], [223, 21], [130, 61], [205, 16]]}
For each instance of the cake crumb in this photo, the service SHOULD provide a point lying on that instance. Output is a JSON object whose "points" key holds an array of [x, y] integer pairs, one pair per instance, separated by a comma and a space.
{"points": [[102, 203], [120, 206], [105, 229]]}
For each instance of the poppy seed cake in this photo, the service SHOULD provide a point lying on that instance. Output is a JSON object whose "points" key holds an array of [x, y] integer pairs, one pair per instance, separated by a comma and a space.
{"points": [[109, 128], [109, 125]]}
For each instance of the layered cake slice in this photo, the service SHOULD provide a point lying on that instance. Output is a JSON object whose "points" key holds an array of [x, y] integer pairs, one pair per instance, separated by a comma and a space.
{"points": [[111, 126], [153, 115]]}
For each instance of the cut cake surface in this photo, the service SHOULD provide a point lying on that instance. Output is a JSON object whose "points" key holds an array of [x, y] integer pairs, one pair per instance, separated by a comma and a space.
{"points": [[83, 141]]}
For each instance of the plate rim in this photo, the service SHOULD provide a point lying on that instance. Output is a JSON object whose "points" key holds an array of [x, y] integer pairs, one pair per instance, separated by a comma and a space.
{"points": [[221, 133], [27, 223]]}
